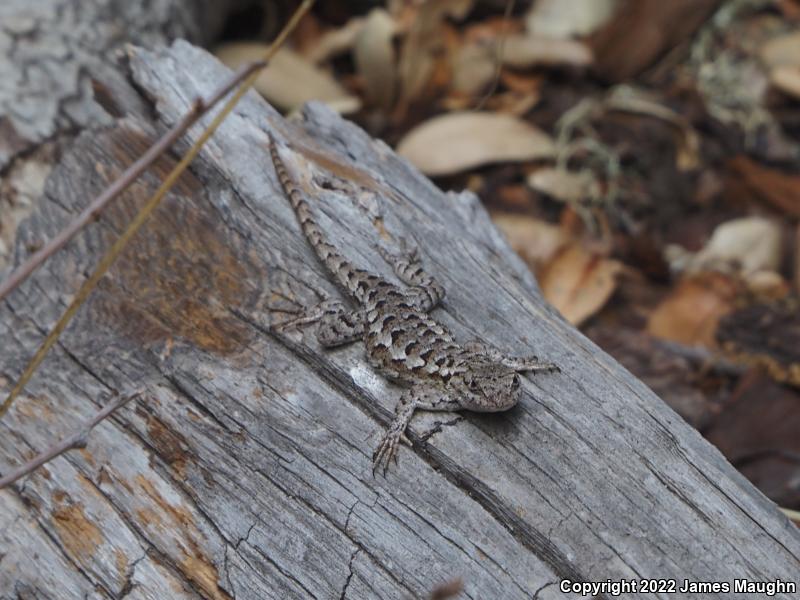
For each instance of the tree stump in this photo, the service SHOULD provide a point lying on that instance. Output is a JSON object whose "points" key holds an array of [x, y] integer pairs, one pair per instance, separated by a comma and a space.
{"points": [[245, 470]]}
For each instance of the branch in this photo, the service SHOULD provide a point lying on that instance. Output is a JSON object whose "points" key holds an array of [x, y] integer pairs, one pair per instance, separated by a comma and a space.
{"points": [[146, 210], [76, 440], [793, 515]]}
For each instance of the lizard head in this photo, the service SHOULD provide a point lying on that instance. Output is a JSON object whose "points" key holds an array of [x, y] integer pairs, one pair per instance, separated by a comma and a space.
{"points": [[489, 387]]}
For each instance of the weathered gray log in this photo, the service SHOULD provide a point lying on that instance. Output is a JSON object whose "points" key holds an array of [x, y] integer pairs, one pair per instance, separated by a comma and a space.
{"points": [[246, 472], [58, 65]]}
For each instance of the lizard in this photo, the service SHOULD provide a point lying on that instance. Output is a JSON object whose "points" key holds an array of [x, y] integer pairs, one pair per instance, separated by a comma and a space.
{"points": [[402, 341]]}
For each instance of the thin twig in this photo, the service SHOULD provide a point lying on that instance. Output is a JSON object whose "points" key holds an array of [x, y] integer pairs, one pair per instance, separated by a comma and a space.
{"points": [[146, 210], [793, 515], [92, 211], [498, 55], [75, 441]]}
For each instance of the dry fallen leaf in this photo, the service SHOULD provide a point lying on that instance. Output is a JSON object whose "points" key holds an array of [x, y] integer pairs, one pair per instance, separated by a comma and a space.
{"points": [[290, 80], [458, 141], [757, 433], [536, 241], [473, 68], [523, 51], [781, 55], [566, 18], [567, 186], [512, 103], [787, 80], [691, 312], [751, 243], [375, 60], [335, 42], [424, 40], [767, 285], [765, 334], [578, 282], [747, 245], [783, 50], [779, 189]]}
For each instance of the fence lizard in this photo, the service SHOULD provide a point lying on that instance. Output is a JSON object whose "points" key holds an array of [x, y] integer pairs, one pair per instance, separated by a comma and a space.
{"points": [[402, 342]]}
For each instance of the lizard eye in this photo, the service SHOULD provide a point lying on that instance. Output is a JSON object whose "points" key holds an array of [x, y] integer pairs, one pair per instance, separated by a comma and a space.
{"points": [[473, 386], [515, 382]]}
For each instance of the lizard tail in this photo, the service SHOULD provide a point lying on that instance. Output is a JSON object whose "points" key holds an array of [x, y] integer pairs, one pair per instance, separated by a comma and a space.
{"points": [[337, 264]]}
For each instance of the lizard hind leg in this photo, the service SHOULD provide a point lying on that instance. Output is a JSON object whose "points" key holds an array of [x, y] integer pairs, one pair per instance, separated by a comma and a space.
{"points": [[337, 324], [425, 291]]}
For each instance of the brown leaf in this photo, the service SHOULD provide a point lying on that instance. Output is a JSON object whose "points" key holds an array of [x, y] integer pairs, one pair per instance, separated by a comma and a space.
{"points": [[458, 141], [578, 282], [335, 42], [513, 103], [567, 186], [522, 52], [690, 314], [375, 60], [642, 30], [766, 335], [757, 432], [747, 245], [289, 80], [783, 50], [778, 189], [565, 18], [473, 68], [522, 83], [424, 39], [536, 241], [787, 80]]}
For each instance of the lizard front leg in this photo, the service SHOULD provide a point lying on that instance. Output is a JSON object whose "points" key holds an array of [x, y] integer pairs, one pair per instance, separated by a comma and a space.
{"points": [[528, 364], [415, 397]]}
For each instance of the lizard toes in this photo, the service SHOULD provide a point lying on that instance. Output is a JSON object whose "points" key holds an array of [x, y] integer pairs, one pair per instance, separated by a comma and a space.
{"points": [[386, 452]]}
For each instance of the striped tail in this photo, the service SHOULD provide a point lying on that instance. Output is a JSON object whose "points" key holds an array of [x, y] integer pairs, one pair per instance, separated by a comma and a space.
{"points": [[338, 265]]}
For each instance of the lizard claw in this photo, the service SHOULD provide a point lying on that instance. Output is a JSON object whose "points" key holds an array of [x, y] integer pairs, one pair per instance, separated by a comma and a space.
{"points": [[387, 450]]}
